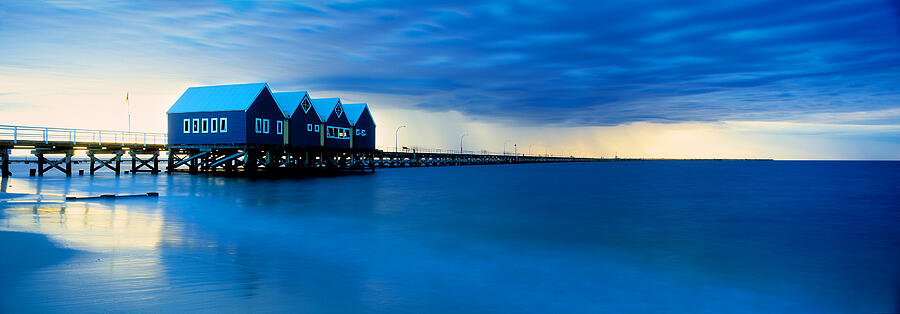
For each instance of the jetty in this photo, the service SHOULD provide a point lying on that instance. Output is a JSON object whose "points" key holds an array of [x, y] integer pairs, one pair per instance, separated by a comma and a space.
{"points": [[139, 152]]}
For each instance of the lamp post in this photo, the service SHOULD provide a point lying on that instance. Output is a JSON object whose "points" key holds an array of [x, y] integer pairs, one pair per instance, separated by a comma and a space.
{"points": [[461, 142], [128, 104], [396, 133], [504, 147]]}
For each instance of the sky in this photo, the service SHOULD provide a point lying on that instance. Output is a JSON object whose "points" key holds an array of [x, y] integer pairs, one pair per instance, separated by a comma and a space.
{"points": [[655, 79]]}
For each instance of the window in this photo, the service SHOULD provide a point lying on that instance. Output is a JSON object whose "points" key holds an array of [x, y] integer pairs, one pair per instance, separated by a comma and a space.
{"points": [[317, 128], [187, 125], [357, 132], [204, 126], [213, 125], [339, 110], [309, 127], [195, 125], [305, 106], [279, 127], [223, 125], [258, 125], [363, 133], [339, 133], [266, 126]]}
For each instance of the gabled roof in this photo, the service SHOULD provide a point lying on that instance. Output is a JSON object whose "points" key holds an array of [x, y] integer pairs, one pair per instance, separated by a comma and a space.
{"points": [[237, 97], [288, 102], [354, 111], [324, 106]]}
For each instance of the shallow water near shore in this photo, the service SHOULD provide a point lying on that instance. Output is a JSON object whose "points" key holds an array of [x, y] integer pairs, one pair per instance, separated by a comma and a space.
{"points": [[652, 236]]}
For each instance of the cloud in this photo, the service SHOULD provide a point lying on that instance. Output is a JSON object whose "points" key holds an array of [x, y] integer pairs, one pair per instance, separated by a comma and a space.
{"points": [[537, 63]]}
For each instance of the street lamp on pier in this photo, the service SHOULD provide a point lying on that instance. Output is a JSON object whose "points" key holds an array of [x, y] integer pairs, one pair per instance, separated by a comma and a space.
{"points": [[396, 133], [461, 142]]}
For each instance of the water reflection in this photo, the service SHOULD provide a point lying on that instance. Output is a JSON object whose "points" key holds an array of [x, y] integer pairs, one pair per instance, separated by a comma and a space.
{"points": [[117, 253], [206, 240], [93, 227]]}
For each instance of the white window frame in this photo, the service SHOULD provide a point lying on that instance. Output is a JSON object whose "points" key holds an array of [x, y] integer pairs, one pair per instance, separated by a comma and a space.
{"points": [[309, 127], [317, 128], [338, 133], [186, 126], [195, 125], [258, 125], [266, 126], [357, 132], [204, 125], [363, 132], [279, 127], [213, 125], [223, 125]]}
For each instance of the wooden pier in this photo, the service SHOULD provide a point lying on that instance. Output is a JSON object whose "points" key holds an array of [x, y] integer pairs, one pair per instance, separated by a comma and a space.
{"points": [[54, 149], [248, 159], [417, 159]]}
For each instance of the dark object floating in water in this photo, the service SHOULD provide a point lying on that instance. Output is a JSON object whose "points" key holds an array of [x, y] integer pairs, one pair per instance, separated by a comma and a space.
{"points": [[111, 196]]}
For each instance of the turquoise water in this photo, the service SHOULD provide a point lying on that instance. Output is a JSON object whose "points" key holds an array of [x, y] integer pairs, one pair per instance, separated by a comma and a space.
{"points": [[655, 236]]}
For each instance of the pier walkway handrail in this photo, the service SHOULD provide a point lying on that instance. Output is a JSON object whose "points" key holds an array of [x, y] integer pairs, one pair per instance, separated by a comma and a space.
{"points": [[455, 151], [28, 135]]}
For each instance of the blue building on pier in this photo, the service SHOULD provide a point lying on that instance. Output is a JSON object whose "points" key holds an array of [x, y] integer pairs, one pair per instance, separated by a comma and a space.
{"points": [[304, 127], [240, 114], [253, 115], [335, 125], [363, 133]]}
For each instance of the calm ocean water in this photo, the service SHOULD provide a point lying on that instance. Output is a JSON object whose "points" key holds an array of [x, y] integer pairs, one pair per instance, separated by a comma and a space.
{"points": [[655, 236]]}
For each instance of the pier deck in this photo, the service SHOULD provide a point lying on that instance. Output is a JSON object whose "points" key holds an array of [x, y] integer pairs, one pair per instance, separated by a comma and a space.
{"points": [[54, 148]]}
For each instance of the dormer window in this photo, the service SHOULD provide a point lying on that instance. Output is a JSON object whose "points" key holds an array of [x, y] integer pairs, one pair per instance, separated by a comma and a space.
{"points": [[338, 110]]}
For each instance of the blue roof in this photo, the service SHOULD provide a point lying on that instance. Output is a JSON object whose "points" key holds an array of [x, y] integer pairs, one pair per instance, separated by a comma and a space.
{"points": [[288, 102], [237, 97], [353, 111], [324, 106]]}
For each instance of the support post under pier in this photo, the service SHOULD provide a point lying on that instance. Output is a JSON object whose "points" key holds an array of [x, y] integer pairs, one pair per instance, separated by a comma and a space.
{"points": [[54, 164], [4, 162], [117, 159], [137, 162]]}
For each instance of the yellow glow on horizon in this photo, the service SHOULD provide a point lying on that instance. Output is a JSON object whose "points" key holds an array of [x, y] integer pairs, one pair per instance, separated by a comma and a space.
{"points": [[58, 99]]}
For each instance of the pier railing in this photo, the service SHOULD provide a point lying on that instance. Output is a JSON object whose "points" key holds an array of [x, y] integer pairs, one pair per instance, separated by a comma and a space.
{"points": [[29, 134], [425, 150]]}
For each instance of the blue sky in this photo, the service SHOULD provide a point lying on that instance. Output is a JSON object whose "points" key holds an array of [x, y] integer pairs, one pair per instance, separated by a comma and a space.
{"points": [[810, 68]]}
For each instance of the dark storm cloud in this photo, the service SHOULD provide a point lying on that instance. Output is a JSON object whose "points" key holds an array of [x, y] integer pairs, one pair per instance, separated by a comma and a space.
{"points": [[579, 62]]}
